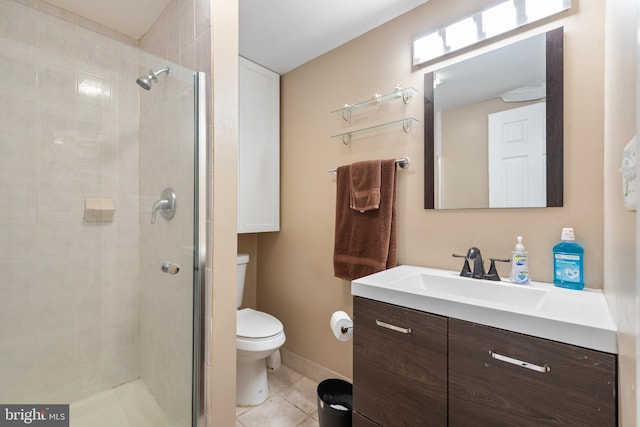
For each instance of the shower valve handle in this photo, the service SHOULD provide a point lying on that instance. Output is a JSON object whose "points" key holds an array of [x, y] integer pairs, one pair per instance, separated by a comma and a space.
{"points": [[166, 205]]}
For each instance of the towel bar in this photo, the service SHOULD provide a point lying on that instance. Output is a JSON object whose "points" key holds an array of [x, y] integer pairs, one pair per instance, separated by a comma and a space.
{"points": [[403, 162]]}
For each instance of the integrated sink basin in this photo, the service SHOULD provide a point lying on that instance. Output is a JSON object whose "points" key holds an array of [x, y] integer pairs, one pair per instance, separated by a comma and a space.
{"points": [[539, 309], [452, 286]]}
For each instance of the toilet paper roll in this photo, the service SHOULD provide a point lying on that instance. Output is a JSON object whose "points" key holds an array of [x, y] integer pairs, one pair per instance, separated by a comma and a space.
{"points": [[341, 321]]}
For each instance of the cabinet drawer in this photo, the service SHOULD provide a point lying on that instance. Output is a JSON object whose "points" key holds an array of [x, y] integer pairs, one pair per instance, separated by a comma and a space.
{"points": [[400, 365], [563, 385]]}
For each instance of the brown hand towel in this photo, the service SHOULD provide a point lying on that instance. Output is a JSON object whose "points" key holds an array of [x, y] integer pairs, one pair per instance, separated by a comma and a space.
{"points": [[365, 242], [364, 180]]}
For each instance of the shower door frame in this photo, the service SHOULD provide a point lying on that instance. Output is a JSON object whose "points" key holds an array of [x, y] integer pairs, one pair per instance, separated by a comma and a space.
{"points": [[198, 417]]}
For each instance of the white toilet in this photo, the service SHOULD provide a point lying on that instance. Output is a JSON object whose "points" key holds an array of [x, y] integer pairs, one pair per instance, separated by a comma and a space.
{"points": [[258, 338]]}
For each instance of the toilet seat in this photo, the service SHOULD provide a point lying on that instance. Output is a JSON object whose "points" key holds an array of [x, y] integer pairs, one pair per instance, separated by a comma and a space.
{"points": [[256, 325], [258, 332]]}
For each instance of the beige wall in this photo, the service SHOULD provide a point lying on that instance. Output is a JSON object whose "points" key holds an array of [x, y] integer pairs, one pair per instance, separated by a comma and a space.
{"points": [[295, 269], [221, 350], [619, 224]]}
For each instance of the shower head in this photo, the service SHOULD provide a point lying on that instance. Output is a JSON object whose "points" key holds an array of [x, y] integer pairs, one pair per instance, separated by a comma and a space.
{"points": [[146, 81]]}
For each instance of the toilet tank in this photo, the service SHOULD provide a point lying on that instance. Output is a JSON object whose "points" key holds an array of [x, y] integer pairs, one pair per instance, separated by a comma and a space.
{"points": [[242, 260]]}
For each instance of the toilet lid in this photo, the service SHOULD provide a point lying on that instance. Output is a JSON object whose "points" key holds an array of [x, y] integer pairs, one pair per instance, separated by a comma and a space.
{"points": [[256, 324]]}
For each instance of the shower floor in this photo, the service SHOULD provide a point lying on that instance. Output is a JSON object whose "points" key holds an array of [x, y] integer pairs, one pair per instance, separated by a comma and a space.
{"points": [[128, 405]]}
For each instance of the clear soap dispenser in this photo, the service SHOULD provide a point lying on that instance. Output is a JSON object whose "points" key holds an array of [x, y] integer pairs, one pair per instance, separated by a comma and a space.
{"points": [[519, 264]]}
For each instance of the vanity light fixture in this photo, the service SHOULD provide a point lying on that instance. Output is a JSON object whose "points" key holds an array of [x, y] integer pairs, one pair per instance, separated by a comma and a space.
{"points": [[498, 19]]}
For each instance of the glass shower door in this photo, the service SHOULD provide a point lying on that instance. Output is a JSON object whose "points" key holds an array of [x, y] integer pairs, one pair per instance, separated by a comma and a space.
{"points": [[169, 280]]}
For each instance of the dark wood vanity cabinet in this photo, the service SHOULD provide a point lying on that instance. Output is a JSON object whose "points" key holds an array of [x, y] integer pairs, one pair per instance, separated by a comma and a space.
{"points": [[558, 384], [400, 366], [413, 368]]}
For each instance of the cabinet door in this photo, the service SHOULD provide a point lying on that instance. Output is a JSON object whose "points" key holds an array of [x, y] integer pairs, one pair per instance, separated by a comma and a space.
{"points": [[259, 149], [573, 387], [400, 365], [360, 421]]}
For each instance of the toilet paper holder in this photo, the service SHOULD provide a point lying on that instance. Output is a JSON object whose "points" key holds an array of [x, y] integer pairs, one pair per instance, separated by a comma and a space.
{"points": [[341, 325]]}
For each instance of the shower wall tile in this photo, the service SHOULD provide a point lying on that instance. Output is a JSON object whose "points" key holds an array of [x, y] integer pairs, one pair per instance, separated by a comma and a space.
{"points": [[15, 322], [19, 199], [94, 93], [18, 241], [59, 200], [186, 23], [21, 66], [56, 86], [19, 280], [202, 17], [60, 351], [55, 277], [16, 117], [188, 56], [69, 115], [100, 56], [19, 357], [172, 31], [154, 42], [18, 23], [57, 39], [203, 52], [56, 313], [57, 238], [17, 160], [122, 303]]}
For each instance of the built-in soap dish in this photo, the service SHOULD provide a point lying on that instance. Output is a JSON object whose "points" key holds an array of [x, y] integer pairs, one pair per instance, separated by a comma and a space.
{"points": [[99, 209]]}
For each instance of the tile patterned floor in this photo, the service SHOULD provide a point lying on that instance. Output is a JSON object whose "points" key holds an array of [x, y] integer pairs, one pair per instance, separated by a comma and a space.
{"points": [[291, 403]]}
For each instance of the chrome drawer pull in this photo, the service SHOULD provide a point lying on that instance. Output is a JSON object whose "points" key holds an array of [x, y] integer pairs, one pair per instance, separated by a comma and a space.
{"points": [[521, 363], [393, 327]]}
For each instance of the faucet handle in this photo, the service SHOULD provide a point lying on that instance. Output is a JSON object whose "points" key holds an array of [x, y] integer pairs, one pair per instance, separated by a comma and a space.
{"points": [[466, 269], [493, 273]]}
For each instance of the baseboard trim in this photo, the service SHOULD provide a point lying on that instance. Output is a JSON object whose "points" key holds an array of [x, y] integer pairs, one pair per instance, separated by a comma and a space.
{"points": [[309, 369]]}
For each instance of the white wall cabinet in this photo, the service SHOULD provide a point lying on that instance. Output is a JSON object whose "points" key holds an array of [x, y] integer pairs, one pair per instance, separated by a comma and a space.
{"points": [[259, 149]]}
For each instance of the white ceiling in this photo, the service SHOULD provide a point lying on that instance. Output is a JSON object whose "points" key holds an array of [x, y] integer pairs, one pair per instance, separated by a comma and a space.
{"points": [[278, 34], [283, 34]]}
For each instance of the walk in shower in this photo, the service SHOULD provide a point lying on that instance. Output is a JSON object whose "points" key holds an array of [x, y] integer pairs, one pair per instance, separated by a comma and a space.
{"points": [[99, 307]]}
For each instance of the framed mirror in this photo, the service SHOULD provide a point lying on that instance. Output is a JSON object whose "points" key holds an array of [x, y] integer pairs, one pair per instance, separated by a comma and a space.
{"points": [[494, 128]]}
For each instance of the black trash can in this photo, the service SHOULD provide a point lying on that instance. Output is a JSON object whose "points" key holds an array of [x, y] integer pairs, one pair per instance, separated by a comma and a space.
{"points": [[334, 403]]}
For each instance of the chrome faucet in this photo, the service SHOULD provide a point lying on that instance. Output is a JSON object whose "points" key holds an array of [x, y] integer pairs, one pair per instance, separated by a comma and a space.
{"points": [[478, 272]]}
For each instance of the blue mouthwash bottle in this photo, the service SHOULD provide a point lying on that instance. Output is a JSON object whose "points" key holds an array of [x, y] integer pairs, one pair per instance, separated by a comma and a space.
{"points": [[568, 262]]}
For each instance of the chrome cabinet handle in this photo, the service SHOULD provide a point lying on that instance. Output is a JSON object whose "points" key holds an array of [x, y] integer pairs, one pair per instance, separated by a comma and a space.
{"points": [[393, 327], [521, 363], [171, 268]]}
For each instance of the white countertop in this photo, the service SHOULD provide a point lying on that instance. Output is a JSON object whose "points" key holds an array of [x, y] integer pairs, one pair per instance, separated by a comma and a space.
{"points": [[542, 310]]}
